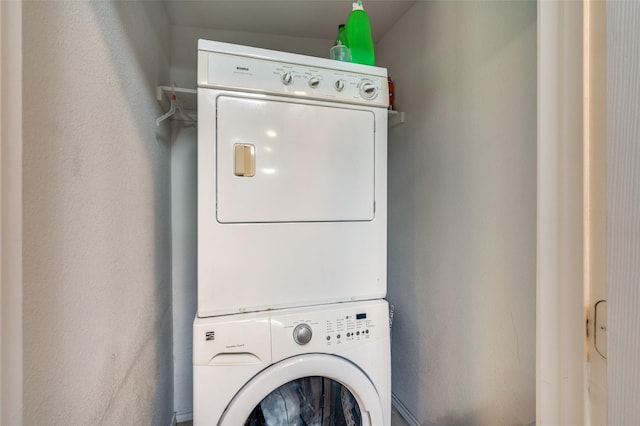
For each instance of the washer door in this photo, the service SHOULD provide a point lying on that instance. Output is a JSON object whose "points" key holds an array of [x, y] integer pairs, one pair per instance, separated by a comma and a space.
{"points": [[306, 390]]}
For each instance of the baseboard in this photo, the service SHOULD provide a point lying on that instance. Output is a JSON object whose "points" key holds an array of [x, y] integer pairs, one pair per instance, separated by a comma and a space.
{"points": [[184, 416], [403, 411]]}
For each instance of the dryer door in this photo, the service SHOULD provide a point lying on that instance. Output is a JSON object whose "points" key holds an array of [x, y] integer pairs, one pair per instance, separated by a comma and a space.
{"points": [[291, 162], [309, 389]]}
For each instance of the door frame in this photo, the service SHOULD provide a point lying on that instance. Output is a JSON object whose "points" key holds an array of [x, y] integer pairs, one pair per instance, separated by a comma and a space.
{"points": [[570, 216], [11, 213]]}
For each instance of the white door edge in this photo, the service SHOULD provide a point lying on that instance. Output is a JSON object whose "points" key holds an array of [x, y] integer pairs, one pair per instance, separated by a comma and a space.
{"points": [[568, 168], [595, 208], [11, 213]]}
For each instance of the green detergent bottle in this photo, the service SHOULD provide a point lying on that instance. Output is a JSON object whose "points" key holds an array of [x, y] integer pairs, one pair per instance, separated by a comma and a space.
{"points": [[358, 32]]}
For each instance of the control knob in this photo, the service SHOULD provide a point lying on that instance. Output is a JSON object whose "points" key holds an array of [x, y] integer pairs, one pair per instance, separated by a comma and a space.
{"points": [[302, 334], [314, 82], [368, 89], [339, 85], [287, 78]]}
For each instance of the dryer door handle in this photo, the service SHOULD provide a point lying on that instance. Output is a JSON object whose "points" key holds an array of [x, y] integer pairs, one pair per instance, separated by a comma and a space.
{"points": [[245, 159]]}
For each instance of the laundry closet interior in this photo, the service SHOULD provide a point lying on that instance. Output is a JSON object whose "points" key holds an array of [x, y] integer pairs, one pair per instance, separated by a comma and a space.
{"points": [[461, 254]]}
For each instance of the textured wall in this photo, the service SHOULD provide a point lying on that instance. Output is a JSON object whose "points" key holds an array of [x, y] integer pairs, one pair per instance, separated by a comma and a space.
{"points": [[462, 211], [184, 216], [623, 211], [97, 246]]}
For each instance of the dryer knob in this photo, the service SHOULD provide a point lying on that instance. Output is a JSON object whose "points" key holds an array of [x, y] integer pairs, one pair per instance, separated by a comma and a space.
{"points": [[314, 82], [302, 334], [287, 78], [368, 89]]}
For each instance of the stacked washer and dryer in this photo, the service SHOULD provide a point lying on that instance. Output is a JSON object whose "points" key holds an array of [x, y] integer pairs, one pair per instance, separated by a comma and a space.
{"points": [[291, 325]]}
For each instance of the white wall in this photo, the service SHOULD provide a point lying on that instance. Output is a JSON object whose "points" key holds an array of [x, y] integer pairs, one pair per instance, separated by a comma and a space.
{"points": [[462, 211], [184, 230], [623, 211], [96, 236]]}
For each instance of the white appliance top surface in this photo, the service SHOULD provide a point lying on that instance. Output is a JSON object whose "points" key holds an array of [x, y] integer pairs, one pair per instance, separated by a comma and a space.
{"points": [[289, 58]]}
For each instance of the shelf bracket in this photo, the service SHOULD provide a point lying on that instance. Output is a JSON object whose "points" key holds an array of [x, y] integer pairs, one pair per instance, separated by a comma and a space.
{"points": [[177, 101]]}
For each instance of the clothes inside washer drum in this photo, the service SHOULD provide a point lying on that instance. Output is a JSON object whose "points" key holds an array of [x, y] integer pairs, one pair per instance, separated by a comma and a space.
{"points": [[310, 401]]}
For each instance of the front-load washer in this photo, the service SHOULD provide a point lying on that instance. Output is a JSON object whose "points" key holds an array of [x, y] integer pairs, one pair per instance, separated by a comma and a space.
{"points": [[292, 180], [316, 365]]}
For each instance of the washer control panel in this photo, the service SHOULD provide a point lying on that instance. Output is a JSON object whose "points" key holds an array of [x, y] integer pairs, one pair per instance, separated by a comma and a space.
{"points": [[227, 71], [268, 336], [328, 330], [351, 327]]}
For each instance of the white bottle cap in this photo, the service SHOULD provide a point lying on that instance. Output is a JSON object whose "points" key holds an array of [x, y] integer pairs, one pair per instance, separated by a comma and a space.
{"points": [[358, 5]]}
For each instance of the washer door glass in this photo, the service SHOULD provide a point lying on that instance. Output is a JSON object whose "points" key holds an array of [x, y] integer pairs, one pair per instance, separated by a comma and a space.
{"points": [[306, 390], [309, 401]]}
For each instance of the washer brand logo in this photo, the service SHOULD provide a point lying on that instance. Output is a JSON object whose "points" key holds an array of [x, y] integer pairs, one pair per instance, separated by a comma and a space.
{"points": [[242, 68], [210, 335]]}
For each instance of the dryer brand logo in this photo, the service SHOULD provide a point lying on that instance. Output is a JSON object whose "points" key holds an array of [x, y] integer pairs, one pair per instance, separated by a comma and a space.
{"points": [[242, 68], [210, 335]]}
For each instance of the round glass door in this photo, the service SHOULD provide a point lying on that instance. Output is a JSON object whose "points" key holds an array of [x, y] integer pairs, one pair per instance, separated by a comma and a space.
{"points": [[309, 401], [306, 390]]}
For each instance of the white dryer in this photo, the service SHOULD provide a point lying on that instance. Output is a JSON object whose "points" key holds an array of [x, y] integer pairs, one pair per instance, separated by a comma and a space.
{"points": [[292, 180], [314, 366]]}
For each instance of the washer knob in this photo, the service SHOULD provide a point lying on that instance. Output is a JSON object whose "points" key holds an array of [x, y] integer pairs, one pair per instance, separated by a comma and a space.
{"points": [[339, 85], [287, 78], [302, 334], [314, 82]]}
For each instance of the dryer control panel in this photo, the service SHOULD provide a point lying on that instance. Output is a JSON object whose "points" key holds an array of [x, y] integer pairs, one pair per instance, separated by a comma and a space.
{"points": [[229, 71]]}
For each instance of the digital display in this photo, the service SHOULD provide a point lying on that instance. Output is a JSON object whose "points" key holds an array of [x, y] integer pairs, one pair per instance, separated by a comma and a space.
{"points": [[361, 316]]}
